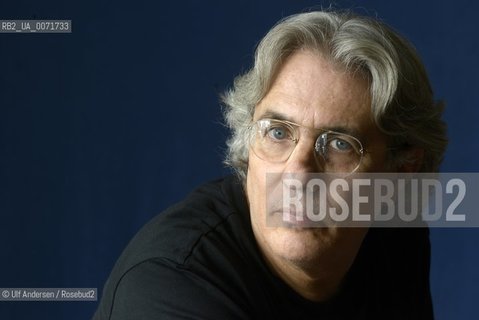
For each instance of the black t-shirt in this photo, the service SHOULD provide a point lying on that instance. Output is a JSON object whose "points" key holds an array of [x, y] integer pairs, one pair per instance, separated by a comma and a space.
{"points": [[199, 260]]}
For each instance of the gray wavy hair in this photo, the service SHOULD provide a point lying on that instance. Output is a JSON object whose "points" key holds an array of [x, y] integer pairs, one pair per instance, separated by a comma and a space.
{"points": [[401, 97]]}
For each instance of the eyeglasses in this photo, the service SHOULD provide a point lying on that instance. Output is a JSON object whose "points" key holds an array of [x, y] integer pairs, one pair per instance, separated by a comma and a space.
{"points": [[275, 140]]}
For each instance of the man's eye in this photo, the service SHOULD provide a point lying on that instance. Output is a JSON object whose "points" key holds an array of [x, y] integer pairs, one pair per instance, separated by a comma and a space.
{"points": [[340, 145], [278, 133]]}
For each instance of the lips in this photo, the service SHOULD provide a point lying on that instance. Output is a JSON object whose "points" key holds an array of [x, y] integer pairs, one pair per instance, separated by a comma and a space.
{"points": [[291, 218]]}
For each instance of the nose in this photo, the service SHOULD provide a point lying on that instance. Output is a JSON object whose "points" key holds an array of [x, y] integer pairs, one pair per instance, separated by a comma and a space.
{"points": [[303, 159]]}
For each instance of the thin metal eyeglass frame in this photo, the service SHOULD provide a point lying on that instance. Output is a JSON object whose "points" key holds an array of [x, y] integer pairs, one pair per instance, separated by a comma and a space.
{"points": [[295, 139]]}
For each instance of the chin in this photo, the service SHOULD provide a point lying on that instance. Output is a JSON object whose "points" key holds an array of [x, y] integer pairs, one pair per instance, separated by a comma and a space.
{"points": [[301, 245]]}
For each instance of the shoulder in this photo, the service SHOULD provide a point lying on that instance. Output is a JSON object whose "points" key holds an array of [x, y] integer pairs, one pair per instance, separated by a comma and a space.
{"points": [[156, 288], [188, 250], [205, 213], [392, 268]]}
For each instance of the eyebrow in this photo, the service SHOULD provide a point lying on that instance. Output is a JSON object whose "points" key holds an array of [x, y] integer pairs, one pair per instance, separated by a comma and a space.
{"points": [[341, 129], [276, 115]]}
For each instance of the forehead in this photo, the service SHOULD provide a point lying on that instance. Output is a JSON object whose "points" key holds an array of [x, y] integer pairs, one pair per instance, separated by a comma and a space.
{"points": [[311, 91]]}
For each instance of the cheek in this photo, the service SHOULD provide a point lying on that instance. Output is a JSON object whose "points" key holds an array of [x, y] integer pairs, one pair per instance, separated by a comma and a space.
{"points": [[377, 159], [261, 181], [255, 185], [263, 189], [372, 163], [379, 163]]}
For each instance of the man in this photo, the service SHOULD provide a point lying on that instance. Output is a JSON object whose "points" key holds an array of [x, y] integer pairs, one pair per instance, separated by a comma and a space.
{"points": [[328, 92]]}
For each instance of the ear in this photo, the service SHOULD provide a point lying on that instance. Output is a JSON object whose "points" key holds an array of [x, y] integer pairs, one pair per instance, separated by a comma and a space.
{"points": [[413, 158]]}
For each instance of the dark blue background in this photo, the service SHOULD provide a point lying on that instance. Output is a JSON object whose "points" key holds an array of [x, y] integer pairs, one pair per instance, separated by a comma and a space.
{"points": [[103, 128]]}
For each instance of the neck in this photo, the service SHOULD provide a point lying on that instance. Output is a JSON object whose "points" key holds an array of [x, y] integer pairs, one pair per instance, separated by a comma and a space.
{"points": [[320, 277], [317, 285]]}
